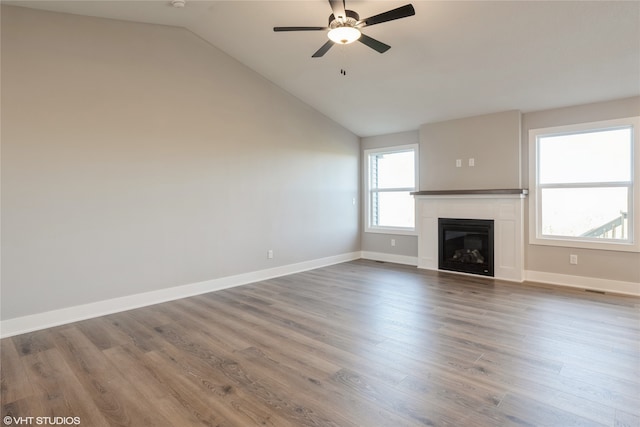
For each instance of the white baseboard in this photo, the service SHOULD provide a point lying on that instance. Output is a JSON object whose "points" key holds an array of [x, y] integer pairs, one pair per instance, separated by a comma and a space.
{"points": [[21, 325], [590, 283], [398, 259], [580, 282]]}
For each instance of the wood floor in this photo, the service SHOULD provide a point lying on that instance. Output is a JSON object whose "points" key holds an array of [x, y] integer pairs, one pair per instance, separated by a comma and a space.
{"points": [[355, 344]]}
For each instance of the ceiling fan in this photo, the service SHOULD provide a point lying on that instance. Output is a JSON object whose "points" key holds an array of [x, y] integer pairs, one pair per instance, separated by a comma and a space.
{"points": [[345, 25]]}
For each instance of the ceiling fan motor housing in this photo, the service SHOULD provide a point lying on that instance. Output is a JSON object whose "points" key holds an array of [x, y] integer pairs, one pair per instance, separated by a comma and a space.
{"points": [[351, 20]]}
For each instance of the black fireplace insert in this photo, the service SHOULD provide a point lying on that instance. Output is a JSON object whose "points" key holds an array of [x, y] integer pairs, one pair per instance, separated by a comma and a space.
{"points": [[465, 245]]}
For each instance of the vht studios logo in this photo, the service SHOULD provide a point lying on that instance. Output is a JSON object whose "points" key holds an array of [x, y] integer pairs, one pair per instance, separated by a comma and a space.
{"points": [[42, 421]]}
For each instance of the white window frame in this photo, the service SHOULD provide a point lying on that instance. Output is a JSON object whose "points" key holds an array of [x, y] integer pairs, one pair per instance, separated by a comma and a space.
{"points": [[535, 220], [368, 214]]}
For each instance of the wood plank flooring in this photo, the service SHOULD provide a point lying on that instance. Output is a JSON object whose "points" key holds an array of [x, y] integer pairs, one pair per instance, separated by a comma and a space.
{"points": [[355, 344]]}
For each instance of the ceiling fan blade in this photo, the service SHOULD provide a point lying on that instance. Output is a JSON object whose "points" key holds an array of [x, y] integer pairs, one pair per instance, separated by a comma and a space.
{"points": [[374, 44], [338, 7], [277, 29], [401, 12], [325, 47]]}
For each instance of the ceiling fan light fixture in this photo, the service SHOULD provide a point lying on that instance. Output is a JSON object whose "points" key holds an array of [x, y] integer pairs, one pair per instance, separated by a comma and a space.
{"points": [[344, 35]]}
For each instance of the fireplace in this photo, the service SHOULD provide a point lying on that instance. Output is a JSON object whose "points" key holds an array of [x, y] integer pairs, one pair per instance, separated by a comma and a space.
{"points": [[504, 207], [465, 245]]}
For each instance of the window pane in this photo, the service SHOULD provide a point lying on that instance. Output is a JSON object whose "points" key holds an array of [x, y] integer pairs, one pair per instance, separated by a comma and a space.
{"points": [[586, 212], [394, 209], [393, 170], [599, 156]]}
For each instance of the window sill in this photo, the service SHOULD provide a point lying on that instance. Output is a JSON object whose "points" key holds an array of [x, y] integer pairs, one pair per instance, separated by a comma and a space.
{"points": [[580, 244], [391, 230]]}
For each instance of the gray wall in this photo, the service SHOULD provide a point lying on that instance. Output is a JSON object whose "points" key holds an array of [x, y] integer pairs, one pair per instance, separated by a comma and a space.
{"points": [[492, 140], [623, 266], [138, 157]]}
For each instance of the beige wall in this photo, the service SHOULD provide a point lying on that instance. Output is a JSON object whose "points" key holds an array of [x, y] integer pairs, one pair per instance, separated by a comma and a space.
{"points": [[138, 157], [492, 140], [610, 265]]}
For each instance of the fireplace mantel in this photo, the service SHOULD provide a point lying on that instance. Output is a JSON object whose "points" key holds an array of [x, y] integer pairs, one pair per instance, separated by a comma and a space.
{"points": [[504, 207], [494, 192]]}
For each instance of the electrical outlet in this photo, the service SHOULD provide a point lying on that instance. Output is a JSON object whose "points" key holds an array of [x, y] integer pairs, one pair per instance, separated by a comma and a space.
{"points": [[472, 162], [270, 254], [573, 259], [393, 242], [458, 163]]}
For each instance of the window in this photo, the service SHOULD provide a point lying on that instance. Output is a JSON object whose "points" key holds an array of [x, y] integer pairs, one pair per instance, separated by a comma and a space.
{"points": [[584, 179], [390, 177]]}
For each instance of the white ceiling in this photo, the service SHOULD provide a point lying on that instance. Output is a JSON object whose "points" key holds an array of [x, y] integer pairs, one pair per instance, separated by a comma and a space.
{"points": [[452, 59]]}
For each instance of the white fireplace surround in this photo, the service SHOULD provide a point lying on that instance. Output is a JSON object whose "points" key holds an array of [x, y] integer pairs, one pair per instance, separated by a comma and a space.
{"points": [[505, 208]]}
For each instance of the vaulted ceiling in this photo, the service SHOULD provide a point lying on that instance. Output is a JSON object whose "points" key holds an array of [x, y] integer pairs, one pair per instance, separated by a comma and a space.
{"points": [[452, 59]]}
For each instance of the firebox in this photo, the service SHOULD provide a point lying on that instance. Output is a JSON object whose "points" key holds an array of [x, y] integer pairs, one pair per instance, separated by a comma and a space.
{"points": [[465, 245]]}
